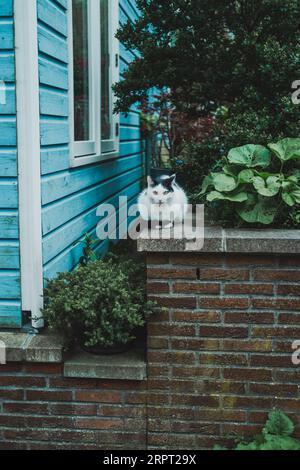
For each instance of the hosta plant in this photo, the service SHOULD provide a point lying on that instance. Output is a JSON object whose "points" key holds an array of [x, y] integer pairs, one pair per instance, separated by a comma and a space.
{"points": [[276, 435], [257, 184]]}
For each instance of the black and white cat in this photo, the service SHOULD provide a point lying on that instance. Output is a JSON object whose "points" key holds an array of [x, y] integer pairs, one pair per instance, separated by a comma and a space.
{"points": [[163, 201]]}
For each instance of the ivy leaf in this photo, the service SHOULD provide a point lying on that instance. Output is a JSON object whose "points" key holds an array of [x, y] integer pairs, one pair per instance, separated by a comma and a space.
{"points": [[216, 195], [223, 182], [269, 187], [286, 149], [278, 424], [250, 156]]}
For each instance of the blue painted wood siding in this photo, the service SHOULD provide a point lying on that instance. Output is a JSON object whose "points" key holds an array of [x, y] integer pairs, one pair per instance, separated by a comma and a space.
{"points": [[70, 197], [10, 295]]}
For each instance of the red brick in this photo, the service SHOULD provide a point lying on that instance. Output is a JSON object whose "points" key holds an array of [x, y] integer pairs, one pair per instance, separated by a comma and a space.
{"points": [[289, 318], [54, 435], [171, 330], [247, 345], [98, 423], [196, 372], [275, 332], [248, 402], [271, 360], [224, 274], [233, 259], [224, 303], [47, 395], [73, 409], [196, 288], [223, 331], [259, 289], [178, 357], [98, 396], [241, 429], [175, 302], [248, 374], [288, 289], [171, 412], [8, 394], [249, 317], [196, 344], [12, 421], [195, 400], [197, 259], [23, 382], [45, 369], [287, 375], [122, 411], [157, 258], [157, 287], [277, 275], [284, 390], [223, 359], [171, 273], [195, 316], [221, 415], [154, 342], [26, 408]]}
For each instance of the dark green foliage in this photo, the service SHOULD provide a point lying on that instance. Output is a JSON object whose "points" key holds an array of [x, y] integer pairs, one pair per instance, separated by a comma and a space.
{"points": [[240, 56], [276, 435], [257, 185], [213, 52], [101, 304]]}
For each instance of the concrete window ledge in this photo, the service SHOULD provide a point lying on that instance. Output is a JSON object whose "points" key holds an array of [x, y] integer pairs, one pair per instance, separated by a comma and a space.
{"points": [[26, 347], [48, 348], [218, 240]]}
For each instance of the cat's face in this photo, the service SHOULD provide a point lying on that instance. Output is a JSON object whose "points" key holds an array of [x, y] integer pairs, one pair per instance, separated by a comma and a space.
{"points": [[161, 190]]}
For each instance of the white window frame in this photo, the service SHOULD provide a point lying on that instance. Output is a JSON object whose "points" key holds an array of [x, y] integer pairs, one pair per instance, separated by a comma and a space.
{"points": [[94, 150]]}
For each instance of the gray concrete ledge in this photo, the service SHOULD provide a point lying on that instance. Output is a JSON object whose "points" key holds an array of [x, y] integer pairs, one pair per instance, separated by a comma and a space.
{"points": [[25, 347], [218, 240], [130, 365]]}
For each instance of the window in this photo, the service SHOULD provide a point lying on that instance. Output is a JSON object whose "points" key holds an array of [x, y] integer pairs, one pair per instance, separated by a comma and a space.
{"points": [[93, 69]]}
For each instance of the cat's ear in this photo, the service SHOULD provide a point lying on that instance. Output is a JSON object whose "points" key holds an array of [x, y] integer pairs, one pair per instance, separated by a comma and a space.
{"points": [[172, 179], [150, 181]]}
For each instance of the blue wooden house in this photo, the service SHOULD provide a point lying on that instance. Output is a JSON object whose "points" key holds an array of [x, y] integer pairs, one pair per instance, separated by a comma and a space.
{"points": [[62, 150]]}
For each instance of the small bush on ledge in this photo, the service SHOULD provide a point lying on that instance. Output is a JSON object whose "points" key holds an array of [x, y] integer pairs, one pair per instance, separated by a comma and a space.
{"points": [[276, 435], [257, 186], [99, 305]]}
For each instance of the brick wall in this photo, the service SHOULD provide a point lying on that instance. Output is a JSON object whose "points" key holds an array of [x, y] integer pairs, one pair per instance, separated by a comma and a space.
{"points": [[219, 358], [40, 409]]}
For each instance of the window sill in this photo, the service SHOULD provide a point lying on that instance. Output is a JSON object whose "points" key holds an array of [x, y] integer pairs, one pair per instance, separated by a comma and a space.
{"points": [[48, 348]]}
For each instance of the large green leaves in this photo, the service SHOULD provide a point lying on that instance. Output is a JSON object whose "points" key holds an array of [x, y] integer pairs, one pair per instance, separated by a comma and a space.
{"points": [[223, 182], [217, 196], [267, 187], [260, 212], [250, 156], [286, 149]]}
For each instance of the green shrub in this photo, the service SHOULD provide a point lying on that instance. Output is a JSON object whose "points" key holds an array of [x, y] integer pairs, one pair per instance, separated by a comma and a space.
{"points": [[99, 305], [257, 185], [276, 435]]}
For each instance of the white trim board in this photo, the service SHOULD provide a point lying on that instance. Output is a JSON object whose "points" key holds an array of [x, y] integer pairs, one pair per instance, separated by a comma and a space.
{"points": [[29, 173]]}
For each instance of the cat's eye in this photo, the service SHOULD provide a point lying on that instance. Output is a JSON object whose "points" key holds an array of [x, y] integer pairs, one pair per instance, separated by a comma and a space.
{"points": [[166, 192], [155, 193]]}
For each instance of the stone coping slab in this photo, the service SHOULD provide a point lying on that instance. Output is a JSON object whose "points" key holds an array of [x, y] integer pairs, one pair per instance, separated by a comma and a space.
{"points": [[27, 347], [219, 240], [130, 365], [48, 348]]}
